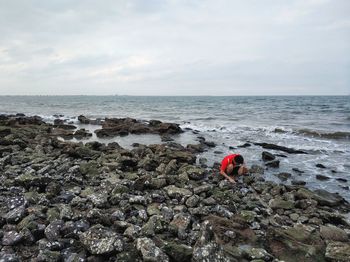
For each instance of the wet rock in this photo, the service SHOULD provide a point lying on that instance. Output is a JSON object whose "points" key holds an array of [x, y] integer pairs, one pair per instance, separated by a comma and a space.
{"points": [[82, 133], [323, 197], [266, 156], [320, 166], [150, 252], [99, 240], [284, 176], [322, 177], [298, 170], [255, 169], [298, 182], [273, 163], [338, 251], [342, 180], [281, 148]]}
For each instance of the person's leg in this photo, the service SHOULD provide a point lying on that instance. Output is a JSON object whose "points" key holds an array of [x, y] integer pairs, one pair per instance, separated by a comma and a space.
{"points": [[229, 169], [242, 171]]}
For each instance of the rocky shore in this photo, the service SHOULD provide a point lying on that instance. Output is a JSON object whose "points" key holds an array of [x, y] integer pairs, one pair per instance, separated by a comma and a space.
{"points": [[64, 201]]}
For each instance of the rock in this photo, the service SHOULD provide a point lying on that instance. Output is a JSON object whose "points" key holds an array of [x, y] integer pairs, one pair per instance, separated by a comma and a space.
{"points": [[273, 163], [207, 249], [195, 173], [320, 166], [52, 231], [298, 170], [82, 133], [323, 197], [255, 169], [338, 251], [248, 216], [11, 238], [298, 182], [266, 156], [333, 233], [181, 222], [175, 192], [281, 148], [281, 204], [150, 252], [322, 177], [192, 201], [99, 240], [245, 145], [343, 180], [154, 225], [284, 176], [178, 252], [84, 120], [202, 188], [15, 215], [298, 243]]}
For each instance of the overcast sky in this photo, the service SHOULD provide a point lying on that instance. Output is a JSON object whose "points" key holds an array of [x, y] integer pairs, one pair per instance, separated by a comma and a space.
{"points": [[175, 47]]}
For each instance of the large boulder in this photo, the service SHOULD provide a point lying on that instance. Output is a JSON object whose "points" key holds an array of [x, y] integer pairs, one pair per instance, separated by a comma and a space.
{"points": [[323, 197], [299, 243]]}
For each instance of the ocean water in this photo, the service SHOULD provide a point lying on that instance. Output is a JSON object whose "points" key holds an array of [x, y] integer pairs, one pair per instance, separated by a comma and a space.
{"points": [[319, 125]]}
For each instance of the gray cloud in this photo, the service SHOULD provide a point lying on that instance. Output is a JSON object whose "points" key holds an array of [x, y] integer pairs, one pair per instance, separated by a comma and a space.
{"points": [[175, 47]]}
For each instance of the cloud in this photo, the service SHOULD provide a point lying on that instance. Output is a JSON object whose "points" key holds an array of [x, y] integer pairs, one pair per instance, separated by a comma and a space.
{"points": [[173, 47]]}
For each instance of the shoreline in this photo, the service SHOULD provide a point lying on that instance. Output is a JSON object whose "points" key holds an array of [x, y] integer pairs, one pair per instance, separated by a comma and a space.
{"points": [[68, 201]]}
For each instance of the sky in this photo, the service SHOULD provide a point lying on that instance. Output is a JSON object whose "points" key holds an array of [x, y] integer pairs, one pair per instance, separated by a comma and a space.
{"points": [[174, 47]]}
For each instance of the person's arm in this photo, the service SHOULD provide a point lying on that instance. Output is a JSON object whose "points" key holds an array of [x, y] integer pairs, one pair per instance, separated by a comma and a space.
{"points": [[230, 179]]}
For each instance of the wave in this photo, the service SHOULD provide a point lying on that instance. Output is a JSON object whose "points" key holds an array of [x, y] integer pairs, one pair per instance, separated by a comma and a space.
{"points": [[333, 135]]}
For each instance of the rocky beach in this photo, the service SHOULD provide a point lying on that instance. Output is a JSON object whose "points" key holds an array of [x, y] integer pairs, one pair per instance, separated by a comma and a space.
{"points": [[73, 201]]}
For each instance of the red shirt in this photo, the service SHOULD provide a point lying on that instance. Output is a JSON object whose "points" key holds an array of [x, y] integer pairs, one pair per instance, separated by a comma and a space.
{"points": [[226, 161]]}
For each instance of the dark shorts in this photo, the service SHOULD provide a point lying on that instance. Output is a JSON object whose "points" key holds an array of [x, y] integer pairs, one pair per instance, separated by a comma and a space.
{"points": [[235, 171]]}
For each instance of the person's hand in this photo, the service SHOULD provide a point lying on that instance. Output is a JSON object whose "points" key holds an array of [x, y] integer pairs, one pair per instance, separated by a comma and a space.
{"points": [[231, 180], [245, 170]]}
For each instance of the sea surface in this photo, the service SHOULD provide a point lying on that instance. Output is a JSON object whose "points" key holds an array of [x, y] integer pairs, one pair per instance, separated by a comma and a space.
{"points": [[319, 125]]}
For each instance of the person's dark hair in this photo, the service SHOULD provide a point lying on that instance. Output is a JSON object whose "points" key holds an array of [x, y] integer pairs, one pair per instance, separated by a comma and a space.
{"points": [[239, 160]]}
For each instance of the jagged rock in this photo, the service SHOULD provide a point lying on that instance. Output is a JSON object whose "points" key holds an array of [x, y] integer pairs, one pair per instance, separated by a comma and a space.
{"points": [[266, 156], [178, 252], [150, 252], [52, 231], [15, 215], [323, 197], [192, 201], [273, 163], [175, 192], [338, 251], [100, 240], [299, 243], [11, 238]]}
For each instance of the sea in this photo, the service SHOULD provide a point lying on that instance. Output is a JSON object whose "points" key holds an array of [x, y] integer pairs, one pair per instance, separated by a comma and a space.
{"points": [[318, 125]]}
